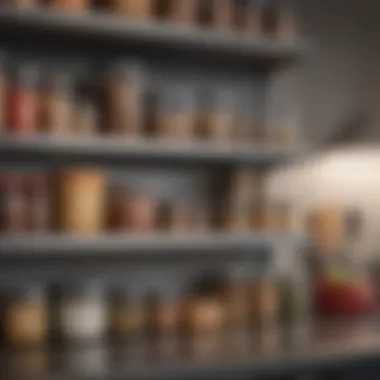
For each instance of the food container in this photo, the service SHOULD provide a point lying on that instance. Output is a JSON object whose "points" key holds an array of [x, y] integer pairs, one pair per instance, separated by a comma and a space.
{"points": [[136, 9], [216, 13], [25, 318], [246, 121], [118, 207], [125, 92], [39, 203], [176, 112], [23, 102], [83, 313], [251, 22], [174, 217], [182, 11], [14, 213], [216, 121], [263, 302], [56, 105], [239, 219], [142, 214], [276, 216], [73, 6], [270, 18], [86, 118], [81, 201], [127, 317]]}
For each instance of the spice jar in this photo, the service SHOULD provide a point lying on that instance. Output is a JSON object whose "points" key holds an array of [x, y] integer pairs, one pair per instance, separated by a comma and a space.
{"points": [[73, 6], [81, 201], [182, 11], [127, 315], [217, 116], [25, 319], [23, 101], [56, 104], [13, 203], [82, 313], [142, 214], [125, 91], [137, 9], [39, 207]]}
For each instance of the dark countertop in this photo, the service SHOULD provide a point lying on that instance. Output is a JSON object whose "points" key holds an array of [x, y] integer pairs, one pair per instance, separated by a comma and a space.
{"points": [[234, 355]]}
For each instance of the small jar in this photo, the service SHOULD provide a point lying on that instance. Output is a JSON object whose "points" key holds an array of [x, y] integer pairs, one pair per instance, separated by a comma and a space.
{"points": [[25, 319], [269, 18], [135, 9], [217, 116], [247, 128], [276, 216], [118, 208], [56, 105], [83, 314], [72, 6], [125, 93], [127, 317], [239, 219], [14, 213], [39, 203], [216, 13], [23, 102], [81, 201], [182, 11], [85, 117], [142, 214], [174, 217]]}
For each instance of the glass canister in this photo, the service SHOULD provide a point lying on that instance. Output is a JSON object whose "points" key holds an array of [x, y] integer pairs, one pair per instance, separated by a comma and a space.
{"points": [[83, 313], [23, 101], [56, 104], [125, 94], [73, 6], [25, 318], [136, 9]]}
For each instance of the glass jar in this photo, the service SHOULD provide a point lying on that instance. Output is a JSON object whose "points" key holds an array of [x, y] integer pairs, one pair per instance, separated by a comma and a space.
{"points": [[142, 212], [174, 217], [83, 313], [216, 13], [23, 101], [246, 118], [25, 319], [73, 6], [239, 219], [252, 18], [269, 18], [85, 117], [13, 203], [182, 11], [56, 104], [118, 207], [136, 9], [125, 93]]}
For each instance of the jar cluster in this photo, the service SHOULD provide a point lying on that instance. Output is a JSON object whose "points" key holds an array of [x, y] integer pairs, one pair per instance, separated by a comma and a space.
{"points": [[88, 313], [269, 18], [86, 201], [126, 101]]}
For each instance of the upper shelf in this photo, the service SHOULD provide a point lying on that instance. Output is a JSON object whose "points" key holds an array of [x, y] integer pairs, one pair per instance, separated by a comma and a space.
{"points": [[159, 35], [113, 150]]}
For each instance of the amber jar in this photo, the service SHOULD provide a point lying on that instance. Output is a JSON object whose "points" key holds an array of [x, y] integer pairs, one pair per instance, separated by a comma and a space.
{"points": [[56, 104], [39, 203], [236, 303], [136, 9], [73, 6], [124, 97], [25, 318], [126, 313], [119, 199], [248, 15], [14, 213], [81, 201], [23, 102]]}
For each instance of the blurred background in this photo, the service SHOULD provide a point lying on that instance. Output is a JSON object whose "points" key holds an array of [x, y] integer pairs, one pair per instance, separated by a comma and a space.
{"points": [[188, 189]]}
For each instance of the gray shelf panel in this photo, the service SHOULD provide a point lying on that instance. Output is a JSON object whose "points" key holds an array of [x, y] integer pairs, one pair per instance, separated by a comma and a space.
{"points": [[154, 34], [175, 245], [151, 151]]}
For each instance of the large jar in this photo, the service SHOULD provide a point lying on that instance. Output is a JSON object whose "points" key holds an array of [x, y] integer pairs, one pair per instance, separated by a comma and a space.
{"points": [[73, 6], [56, 104], [25, 318], [83, 313], [136, 9], [81, 201], [125, 93], [23, 102]]}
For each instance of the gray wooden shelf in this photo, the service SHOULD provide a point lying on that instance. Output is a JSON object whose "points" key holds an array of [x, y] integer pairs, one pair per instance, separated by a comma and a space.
{"points": [[150, 151], [154, 34]]}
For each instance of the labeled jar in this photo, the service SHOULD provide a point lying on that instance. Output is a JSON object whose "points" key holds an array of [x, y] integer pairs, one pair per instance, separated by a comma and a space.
{"points": [[73, 6], [39, 203], [23, 102], [217, 116], [14, 213], [81, 201], [83, 313], [182, 11], [136, 9], [125, 99], [127, 317], [56, 105], [25, 318]]}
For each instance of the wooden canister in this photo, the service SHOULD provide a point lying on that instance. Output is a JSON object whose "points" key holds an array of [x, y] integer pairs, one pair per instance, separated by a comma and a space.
{"points": [[81, 198]]}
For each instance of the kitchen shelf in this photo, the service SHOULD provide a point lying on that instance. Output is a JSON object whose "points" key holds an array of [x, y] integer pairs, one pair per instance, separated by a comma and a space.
{"points": [[151, 34], [239, 356], [134, 151], [208, 245]]}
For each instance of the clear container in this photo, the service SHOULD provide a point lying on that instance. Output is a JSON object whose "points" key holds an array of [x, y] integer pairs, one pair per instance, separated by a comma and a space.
{"points": [[125, 91], [83, 313], [25, 318], [56, 104]]}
